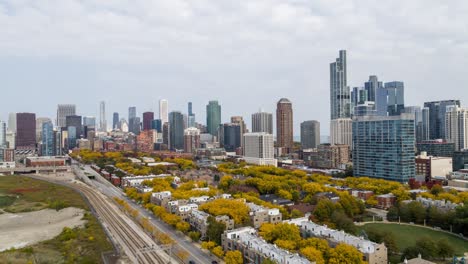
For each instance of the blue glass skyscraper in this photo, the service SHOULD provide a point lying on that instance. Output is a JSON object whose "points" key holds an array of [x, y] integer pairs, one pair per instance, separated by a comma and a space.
{"points": [[48, 146], [384, 147]]}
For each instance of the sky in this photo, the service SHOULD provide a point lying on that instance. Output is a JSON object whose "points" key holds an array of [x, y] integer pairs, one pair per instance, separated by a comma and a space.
{"points": [[245, 54]]}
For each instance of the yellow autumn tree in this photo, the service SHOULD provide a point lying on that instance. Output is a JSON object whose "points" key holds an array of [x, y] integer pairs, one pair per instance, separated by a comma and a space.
{"points": [[233, 257], [313, 254]]}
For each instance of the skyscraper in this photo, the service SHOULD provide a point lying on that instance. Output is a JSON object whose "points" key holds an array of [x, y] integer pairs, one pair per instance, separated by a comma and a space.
{"points": [[148, 118], [341, 131], [12, 122], [284, 125], [39, 122], [64, 110], [231, 137], [384, 147], [259, 149], [74, 121], [396, 98], [157, 125], [213, 117], [26, 131], [437, 110], [131, 120], [3, 131], [191, 116], [48, 142], [262, 122], [176, 130], [72, 137], [456, 127], [163, 110], [115, 120], [418, 127], [340, 101], [372, 86], [191, 139], [310, 134], [102, 117], [425, 124], [89, 121], [131, 112]]}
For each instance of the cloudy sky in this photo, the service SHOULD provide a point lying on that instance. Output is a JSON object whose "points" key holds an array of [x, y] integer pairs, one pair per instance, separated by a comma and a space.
{"points": [[246, 54]]}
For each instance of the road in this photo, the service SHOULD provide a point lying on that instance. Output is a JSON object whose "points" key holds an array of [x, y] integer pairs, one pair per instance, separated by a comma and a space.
{"points": [[138, 246], [196, 254]]}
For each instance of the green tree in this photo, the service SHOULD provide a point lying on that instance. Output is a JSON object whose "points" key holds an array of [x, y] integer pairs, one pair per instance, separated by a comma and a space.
{"points": [[215, 230], [194, 235], [324, 210]]}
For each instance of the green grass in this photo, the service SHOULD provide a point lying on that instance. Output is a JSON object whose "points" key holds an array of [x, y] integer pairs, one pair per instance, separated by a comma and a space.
{"points": [[78, 245], [407, 235]]}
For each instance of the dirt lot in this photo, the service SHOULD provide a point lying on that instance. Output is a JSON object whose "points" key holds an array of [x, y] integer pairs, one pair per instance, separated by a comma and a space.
{"points": [[22, 229]]}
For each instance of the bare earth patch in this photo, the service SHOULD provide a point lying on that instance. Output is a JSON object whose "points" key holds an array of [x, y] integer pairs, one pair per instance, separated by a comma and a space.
{"points": [[23, 229]]}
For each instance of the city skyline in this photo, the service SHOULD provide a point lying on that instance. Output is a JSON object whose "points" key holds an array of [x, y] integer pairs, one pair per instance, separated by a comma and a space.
{"points": [[138, 72]]}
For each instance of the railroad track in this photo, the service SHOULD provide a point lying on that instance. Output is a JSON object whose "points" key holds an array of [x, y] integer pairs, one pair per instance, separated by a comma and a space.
{"points": [[121, 228]]}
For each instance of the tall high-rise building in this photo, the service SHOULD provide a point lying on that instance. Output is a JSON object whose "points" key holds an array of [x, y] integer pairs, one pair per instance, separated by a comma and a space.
{"points": [[164, 110], [191, 116], [131, 112], [213, 117], [102, 117], [148, 118], [341, 131], [340, 101], [48, 140], [310, 134], [89, 121], [12, 122], [64, 110], [191, 139], [456, 127], [417, 112], [115, 120], [176, 130], [425, 124], [262, 122], [3, 131], [231, 139], [437, 110], [243, 128], [372, 86], [72, 137], [259, 149], [284, 125], [132, 122], [75, 121], [396, 98], [123, 125], [157, 125], [26, 131], [384, 147], [39, 122]]}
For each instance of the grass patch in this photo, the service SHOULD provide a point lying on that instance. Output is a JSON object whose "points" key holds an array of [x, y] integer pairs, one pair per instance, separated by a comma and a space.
{"points": [[77, 245], [406, 235], [6, 201]]}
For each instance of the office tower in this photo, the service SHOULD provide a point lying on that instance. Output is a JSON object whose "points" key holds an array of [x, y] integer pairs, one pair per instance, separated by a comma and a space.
{"points": [[136, 126], [89, 121], [284, 125], [71, 137], [48, 143], [115, 120], [437, 148], [310, 134], [191, 116], [26, 131], [372, 86], [262, 122], [416, 111], [231, 138], [259, 149], [425, 124], [176, 130], [157, 125], [243, 128], [460, 160], [3, 132], [11, 138], [148, 118], [102, 117], [456, 127], [437, 110], [364, 109], [64, 110], [191, 139], [12, 122], [75, 121], [396, 98], [340, 101], [213, 117], [58, 142], [131, 112], [39, 122], [132, 122], [384, 147], [163, 110], [341, 132], [123, 125], [166, 134]]}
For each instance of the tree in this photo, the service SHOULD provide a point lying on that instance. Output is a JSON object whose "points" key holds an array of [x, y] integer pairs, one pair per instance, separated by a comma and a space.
{"points": [[214, 230], [218, 251], [183, 227], [436, 190], [343, 222], [393, 214], [427, 247], [296, 213], [313, 255], [208, 245], [345, 254], [286, 244], [233, 257], [280, 231], [324, 210], [195, 236], [445, 250]]}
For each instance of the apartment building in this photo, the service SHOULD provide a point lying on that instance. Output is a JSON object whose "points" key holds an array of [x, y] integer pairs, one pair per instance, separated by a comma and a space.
{"points": [[260, 215]]}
